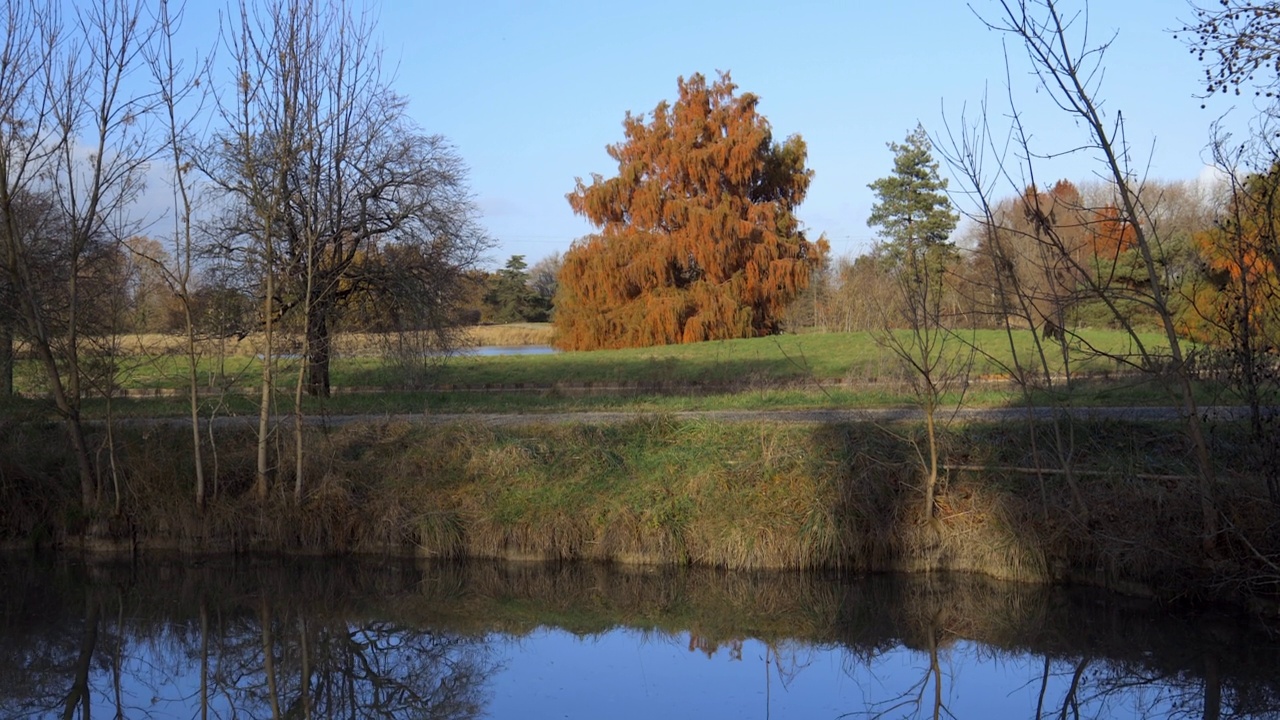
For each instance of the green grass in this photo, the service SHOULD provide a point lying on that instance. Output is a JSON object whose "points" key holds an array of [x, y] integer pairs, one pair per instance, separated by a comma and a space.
{"points": [[822, 356], [781, 372], [1088, 393]]}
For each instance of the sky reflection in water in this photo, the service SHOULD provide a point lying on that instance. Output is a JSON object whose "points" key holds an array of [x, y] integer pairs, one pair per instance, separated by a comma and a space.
{"points": [[627, 674], [378, 639]]}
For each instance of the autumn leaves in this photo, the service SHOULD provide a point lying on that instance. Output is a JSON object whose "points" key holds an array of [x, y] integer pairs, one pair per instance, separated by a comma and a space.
{"points": [[697, 235]]}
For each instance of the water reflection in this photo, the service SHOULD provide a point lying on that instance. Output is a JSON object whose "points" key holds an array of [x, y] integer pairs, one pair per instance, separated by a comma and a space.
{"points": [[374, 639], [492, 350]]}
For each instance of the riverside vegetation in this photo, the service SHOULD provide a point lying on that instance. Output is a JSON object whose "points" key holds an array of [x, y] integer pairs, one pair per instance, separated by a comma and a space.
{"points": [[661, 489]]}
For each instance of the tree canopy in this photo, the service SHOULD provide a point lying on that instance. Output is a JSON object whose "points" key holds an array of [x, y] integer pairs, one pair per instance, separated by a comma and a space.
{"points": [[1238, 300], [698, 238], [912, 209], [510, 299]]}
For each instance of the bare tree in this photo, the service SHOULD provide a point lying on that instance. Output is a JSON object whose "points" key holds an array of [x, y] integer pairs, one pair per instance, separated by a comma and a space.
{"points": [[916, 220], [355, 173], [544, 277], [862, 288], [1239, 42], [1235, 307], [1068, 67], [177, 88], [1015, 285], [246, 163], [325, 175], [75, 146]]}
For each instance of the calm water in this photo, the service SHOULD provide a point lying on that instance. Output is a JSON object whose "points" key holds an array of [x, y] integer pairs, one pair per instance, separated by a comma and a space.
{"points": [[335, 639], [485, 350]]}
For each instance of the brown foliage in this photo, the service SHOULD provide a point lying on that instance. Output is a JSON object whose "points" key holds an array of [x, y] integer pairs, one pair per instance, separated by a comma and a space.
{"points": [[1055, 249], [1112, 235], [698, 239]]}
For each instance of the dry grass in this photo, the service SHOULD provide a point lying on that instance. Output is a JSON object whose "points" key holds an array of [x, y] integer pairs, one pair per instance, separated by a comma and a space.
{"points": [[148, 345], [511, 334], [344, 344], [664, 491]]}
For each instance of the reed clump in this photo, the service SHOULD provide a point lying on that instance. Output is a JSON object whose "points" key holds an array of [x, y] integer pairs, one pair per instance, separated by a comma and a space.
{"points": [[510, 334]]}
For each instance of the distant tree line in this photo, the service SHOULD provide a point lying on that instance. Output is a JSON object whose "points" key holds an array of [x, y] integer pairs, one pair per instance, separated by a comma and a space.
{"points": [[847, 292], [516, 293]]}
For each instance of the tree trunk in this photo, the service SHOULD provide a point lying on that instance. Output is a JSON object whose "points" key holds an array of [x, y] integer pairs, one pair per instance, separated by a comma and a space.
{"points": [[263, 476], [6, 359], [318, 348], [304, 681], [204, 658], [193, 398], [1212, 689], [269, 656], [931, 472], [70, 411]]}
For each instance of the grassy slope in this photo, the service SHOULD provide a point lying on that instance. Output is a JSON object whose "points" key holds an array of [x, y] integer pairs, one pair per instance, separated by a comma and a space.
{"points": [[662, 490]]}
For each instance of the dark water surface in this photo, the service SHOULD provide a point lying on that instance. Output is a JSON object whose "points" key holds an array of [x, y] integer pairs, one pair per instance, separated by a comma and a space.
{"points": [[240, 638]]}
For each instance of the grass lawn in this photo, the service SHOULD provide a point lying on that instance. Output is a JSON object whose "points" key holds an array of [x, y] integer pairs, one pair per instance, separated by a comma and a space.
{"points": [[786, 371], [819, 356]]}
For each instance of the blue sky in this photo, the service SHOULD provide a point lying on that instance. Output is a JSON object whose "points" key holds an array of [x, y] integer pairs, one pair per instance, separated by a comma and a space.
{"points": [[531, 92]]}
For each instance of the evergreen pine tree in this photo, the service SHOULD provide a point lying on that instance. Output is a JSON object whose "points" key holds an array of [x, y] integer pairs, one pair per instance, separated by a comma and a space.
{"points": [[913, 212]]}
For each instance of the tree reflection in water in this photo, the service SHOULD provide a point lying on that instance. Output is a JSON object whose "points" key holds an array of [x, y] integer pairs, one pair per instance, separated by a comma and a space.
{"points": [[1100, 656], [214, 649], [320, 639]]}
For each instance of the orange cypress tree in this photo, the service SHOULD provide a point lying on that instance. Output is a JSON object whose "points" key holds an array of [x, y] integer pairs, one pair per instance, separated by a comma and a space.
{"points": [[698, 238]]}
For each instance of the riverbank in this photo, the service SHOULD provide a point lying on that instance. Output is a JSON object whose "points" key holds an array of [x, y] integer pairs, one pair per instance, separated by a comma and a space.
{"points": [[662, 490]]}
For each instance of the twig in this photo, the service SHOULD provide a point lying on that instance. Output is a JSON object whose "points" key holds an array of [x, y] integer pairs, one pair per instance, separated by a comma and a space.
{"points": [[1060, 471]]}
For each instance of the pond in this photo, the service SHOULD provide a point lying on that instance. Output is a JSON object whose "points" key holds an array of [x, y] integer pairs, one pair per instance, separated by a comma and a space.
{"points": [[316, 638], [490, 350]]}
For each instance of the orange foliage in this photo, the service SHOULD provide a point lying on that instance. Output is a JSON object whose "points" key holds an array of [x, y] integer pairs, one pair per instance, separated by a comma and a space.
{"points": [[1086, 234], [1112, 235], [1054, 217], [1241, 261], [697, 235]]}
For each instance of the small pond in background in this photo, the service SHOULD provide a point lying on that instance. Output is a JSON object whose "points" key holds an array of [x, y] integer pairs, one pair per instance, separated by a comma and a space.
{"points": [[253, 638], [487, 350]]}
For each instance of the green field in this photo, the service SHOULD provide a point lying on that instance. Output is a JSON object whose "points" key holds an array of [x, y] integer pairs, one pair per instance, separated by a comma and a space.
{"points": [[785, 371], [817, 356]]}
